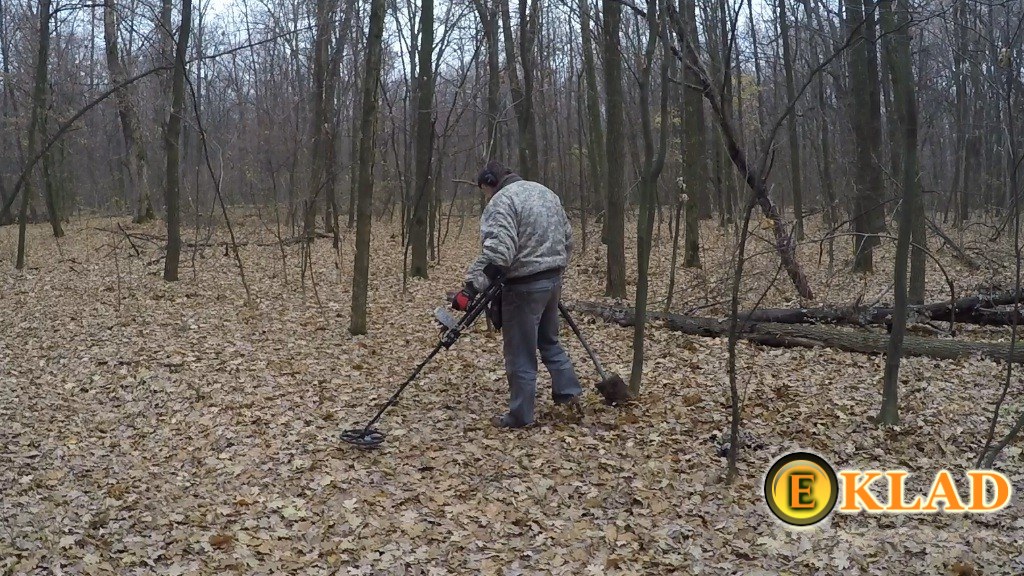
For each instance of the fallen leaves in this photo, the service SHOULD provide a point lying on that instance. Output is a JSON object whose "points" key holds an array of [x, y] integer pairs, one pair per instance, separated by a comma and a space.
{"points": [[188, 433]]}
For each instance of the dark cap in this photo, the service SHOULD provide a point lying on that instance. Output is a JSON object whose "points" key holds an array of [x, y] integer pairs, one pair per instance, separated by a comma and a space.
{"points": [[492, 174]]}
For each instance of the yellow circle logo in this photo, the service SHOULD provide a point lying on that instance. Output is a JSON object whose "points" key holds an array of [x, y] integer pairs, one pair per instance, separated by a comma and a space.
{"points": [[801, 488]]}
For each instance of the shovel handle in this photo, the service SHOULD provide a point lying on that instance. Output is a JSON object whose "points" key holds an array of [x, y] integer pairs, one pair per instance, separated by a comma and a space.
{"points": [[579, 334]]}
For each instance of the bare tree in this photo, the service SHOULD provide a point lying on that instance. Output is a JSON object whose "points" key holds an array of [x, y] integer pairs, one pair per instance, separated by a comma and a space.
{"points": [[322, 120], [519, 64], [7, 102], [654, 162], [597, 161], [172, 146], [127, 110], [35, 124], [615, 219], [364, 186], [865, 117], [788, 63], [423, 89], [694, 142], [906, 105], [489, 21]]}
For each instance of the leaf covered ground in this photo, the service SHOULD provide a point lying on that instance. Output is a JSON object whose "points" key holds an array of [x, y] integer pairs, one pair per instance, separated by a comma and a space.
{"points": [[154, 427]]}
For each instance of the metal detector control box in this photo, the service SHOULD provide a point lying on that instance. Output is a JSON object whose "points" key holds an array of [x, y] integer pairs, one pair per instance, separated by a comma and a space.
{"points": [[450, 325]]}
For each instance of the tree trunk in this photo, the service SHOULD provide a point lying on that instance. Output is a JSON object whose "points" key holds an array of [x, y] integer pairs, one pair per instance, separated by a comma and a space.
{"points": [[654, 162], [596, 159], [906, 106], [675, 244], [424, 137], [7, 101], [36, 122], [865, 117], [127, 101], [973, 169], [824, 139], [718, 71], [788, 60], [354, 159], [694, 141], [172, 145], [332, 112], [529, 28], [53, 193], [367, 133], [489, 22], [319, 127], [757, 70], [960, 113], [520, 85], [615, 216], [784, 244]]}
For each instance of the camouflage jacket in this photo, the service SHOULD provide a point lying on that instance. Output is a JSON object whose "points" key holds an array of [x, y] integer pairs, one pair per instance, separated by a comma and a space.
{"points": [[523, 228]]}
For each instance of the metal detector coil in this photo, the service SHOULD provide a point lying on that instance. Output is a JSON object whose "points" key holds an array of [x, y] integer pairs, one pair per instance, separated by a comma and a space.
{"points": [[451, 330], [363, 437]]}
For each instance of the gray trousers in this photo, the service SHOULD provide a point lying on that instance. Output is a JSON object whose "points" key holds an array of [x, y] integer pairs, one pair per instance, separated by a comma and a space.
{"points": [[530, 324]]}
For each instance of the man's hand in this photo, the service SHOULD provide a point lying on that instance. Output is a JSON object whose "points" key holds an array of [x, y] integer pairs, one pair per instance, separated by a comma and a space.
{"points": [[461, 300], [493, 271]]}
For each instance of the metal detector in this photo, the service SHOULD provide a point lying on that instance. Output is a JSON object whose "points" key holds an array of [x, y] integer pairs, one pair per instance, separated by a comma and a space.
{"points": [[451, 329]]}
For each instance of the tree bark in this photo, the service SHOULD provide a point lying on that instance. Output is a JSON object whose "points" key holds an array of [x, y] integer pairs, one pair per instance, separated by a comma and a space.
{"points": [[905, 101], [489, 21], [597, 161], [654, 162], [795, 180], [367, 133], [126, 100], [521, 85], [694, 141], [36, 121], [172, 145], [865, 117], [424, 138], [615, 216]]}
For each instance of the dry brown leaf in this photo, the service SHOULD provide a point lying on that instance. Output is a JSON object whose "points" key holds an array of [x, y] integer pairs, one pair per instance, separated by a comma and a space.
{"points": [[221, 541]]}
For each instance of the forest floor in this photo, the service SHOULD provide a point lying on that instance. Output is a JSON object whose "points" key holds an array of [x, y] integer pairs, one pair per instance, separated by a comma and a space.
{"points": [[154, 427]]}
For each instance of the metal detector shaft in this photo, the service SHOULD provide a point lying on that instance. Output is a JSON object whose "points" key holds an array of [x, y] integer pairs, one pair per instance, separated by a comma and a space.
{"points": [[448, 337], [394, 397], [579, 334]]}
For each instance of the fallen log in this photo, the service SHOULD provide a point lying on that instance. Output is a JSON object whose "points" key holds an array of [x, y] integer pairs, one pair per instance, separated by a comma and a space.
{"points": [[780, 335], [981, 309]]}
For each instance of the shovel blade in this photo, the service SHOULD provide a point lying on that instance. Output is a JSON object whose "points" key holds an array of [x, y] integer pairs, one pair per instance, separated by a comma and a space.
{"points": [[614, 390]]}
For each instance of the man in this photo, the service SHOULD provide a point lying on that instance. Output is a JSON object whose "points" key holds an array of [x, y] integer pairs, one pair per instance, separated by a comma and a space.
{"points": [[526, 235]]}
